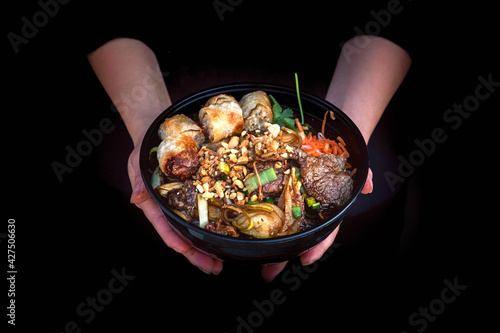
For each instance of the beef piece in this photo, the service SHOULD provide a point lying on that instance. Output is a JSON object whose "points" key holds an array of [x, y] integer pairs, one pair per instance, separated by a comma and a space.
{"points": [[299, 155], [275, 187], [222, 228], [184, 199], [325, 179]]}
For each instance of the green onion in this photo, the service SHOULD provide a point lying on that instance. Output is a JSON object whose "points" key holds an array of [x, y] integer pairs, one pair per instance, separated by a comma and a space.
{"points": [[310, 201], [224, 167], [315, 205], [269, 200], [202, 211], [265, 177], [296, 212], [298, 97], [152, 155]]}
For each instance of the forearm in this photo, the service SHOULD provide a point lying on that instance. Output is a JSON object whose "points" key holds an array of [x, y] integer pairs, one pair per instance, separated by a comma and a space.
{"points": [[365, 80], [129, 72]]}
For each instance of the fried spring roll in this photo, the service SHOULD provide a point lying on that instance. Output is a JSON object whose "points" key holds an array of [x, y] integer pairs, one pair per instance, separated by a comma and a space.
{"points": [[178, 152], [221, 117], [181, 124], [178, 156], [257, 110]]}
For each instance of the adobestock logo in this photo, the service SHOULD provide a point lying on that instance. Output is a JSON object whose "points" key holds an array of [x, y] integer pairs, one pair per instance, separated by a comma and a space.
{"points": [[31, 26], [453, 119], [88, 309], [419, 320], [292, 279]]}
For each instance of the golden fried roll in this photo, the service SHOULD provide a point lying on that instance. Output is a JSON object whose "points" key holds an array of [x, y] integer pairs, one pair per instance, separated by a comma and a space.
{"points": [[221, 117], [178, 156], [257, 110], [181, 124]]}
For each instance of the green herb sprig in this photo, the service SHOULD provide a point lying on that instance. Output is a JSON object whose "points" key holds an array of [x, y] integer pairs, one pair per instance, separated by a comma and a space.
{"points": [[285, 117]]}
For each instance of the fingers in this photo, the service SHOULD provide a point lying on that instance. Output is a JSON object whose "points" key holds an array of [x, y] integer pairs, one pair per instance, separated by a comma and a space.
{"points": [[154, 214], [141, 198], [140, 193], [160, 223], [270, 271], [205, 263], [315, 253], [368, 188]]}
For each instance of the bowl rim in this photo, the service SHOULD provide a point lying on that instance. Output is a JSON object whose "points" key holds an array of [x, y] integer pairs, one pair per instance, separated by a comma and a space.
{"points": [[175, 108]]}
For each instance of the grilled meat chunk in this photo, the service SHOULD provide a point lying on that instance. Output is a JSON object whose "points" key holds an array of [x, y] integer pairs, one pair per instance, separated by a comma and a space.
{"points": [[184, 199], [324, 178]]}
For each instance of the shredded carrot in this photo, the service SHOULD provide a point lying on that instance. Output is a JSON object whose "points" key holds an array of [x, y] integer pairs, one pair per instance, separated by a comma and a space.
{"points": [[324, 124], [299, 126], [316, 147]]}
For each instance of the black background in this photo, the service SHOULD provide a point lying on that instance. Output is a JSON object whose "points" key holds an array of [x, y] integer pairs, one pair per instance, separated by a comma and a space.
{"points": [[386, 263]]}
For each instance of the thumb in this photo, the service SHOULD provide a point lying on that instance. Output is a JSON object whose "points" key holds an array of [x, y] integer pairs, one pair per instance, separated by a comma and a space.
{"points": [[140, 193], [368, 188]]}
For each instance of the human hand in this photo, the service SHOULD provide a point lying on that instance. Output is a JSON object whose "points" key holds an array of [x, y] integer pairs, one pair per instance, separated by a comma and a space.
{"points": [[142, 199], [270, 271]]}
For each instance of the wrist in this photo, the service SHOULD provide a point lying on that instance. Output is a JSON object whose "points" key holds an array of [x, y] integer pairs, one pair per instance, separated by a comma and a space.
{"points": [[138, 115]]}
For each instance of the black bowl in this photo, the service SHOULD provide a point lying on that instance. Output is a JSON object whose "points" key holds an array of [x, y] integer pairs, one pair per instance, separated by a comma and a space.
{"points": [[261, 250]]}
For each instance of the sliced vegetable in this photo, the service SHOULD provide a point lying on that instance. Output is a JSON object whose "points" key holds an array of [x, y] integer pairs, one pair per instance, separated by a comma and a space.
{"points": [[152, 155], [310, 201], [262, 220], [296, 211], [315, 146], [202, 211], [157, 177], [297, 174], [224, 167], [266, 176], [250, 226], [315, 205], [163, 189]]}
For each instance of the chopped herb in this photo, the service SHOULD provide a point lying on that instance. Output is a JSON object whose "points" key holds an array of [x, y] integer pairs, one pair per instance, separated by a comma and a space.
{"points": [[285, 117], [310, 201], [296, 211], [282, 117], [269, 200]]}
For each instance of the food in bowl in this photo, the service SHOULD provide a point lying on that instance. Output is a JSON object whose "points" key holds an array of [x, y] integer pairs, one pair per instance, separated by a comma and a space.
{"points": [[236, 171]]}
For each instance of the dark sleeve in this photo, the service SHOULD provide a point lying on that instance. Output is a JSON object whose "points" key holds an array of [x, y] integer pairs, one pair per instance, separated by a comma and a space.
{"points": [[393, 20], [162, 27]]}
